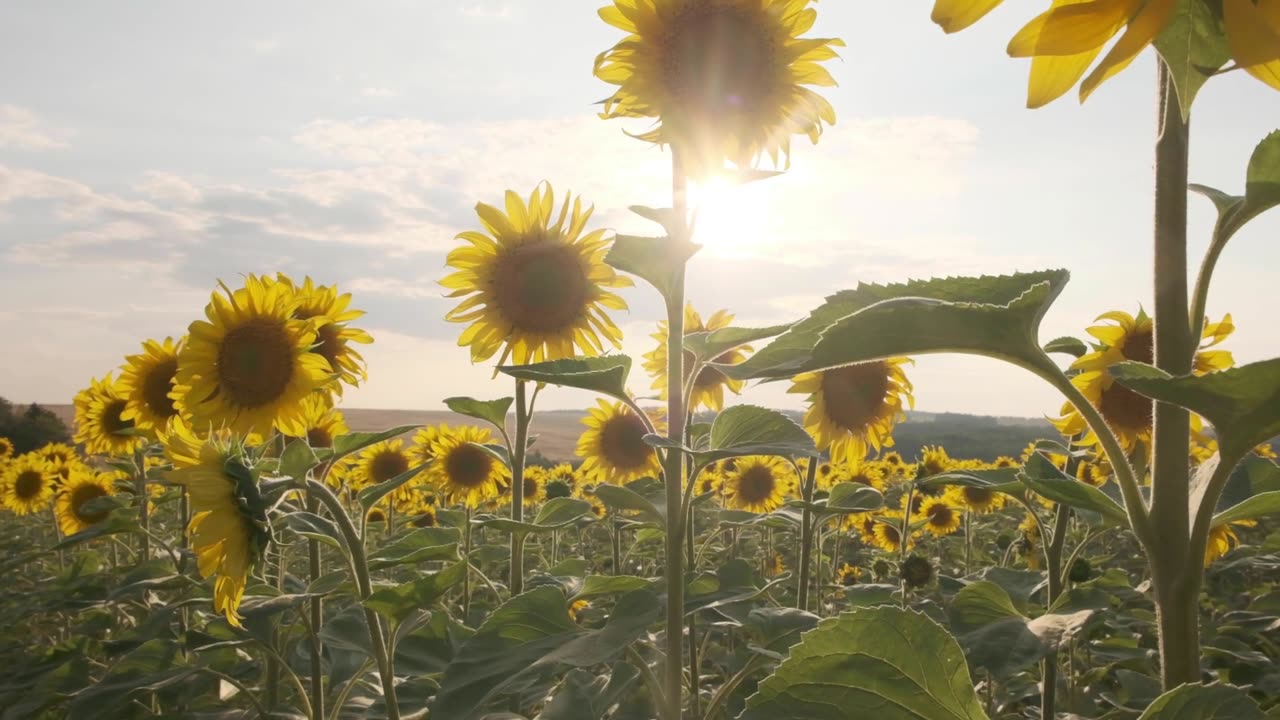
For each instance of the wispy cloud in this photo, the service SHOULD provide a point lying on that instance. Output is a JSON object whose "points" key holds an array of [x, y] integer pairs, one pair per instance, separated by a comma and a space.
{"points": [[23, 129]]}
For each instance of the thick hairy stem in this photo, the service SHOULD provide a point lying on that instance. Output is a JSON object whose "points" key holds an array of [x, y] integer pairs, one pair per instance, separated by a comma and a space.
{"points": [[316, 618], [691, 562], [673, 466], [1057, 576], [516, 581], [1175, 575], [364, 586], [144, 508], [806, 536], [466, 576]]}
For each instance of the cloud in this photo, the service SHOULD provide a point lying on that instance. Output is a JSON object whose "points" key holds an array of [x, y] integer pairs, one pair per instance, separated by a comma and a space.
{"points": [[22, 129]]}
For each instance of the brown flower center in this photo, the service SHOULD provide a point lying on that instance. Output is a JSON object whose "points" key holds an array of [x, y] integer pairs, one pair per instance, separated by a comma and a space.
{"points": [[81, 496], [541, 286], [255, 362], [719, 62], [111, 420], [156, 385], [530, 485], [1139, 346], [29, 484], [756, 484], [386, 465], [468, 466], [977, 496], [622, 442], [320, 438], [854, 395], [941, 515], [1126, 410]]}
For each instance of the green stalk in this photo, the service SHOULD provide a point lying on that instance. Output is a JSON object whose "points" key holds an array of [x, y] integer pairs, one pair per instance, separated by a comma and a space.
{"points": [[360, 571], [516, 581], [466, 576], [691, 560], [1175, 577], [806, 535], [144, 505], [316, 612], [673, 463], [1053, 564]]}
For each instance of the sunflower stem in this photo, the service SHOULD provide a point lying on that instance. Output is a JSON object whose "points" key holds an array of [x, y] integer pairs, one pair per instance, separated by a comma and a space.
{"points": [[523, 416], [806, 535], [316, 611], [144, 507], [1176, 577], [692, 563], [360, 570], [466, 576], [1053, 563]]}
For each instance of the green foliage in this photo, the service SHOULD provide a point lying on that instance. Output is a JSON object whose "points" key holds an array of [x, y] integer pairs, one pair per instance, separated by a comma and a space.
{"points": [[32, 428], [1194, 47], [606, 374], [1203, 702]]}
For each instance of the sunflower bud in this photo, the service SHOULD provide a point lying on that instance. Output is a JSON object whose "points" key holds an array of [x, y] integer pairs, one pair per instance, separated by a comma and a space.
{"points": [[916, 571]]}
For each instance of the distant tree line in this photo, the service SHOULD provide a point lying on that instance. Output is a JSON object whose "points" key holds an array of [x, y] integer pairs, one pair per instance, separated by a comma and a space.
{"points": [[32, 427]]}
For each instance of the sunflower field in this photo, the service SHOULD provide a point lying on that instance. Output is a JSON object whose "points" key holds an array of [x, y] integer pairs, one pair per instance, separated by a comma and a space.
{"points": [[217, 543]]}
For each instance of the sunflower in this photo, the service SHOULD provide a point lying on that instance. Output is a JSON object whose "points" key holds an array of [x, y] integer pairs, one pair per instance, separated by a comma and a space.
{"points": [[934, 460], [423, 440], [864, 524], [976, 499], [228, 527], [724, 78], [777, 566], [1093, 472], [535, 485], [848, 575], [146, 381], [710, 384], [334, 337], [1127, 413], [463, 472], [759, 484], [249, 367], [27, 484], [709, 482], [534, 289], [100, 423], [375, 515], [941, 518], [1222, 540], [58, 453], [6, 448], [855, 406], [868, 474], [1064, 41], [381, 462], [323, 421], [887, 532], [576, 608], [1004, 461], [426, 516], [70, 506], [613, 447]]}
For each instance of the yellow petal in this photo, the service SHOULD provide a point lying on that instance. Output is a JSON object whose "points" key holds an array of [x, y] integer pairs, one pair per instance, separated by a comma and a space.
{"points": [[1142, 31], [1072, 27], [1052, 76], [1254, 38], [956, 15]]}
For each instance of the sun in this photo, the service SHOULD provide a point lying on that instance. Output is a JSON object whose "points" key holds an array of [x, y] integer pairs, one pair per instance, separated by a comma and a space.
{"points": [[732, 218]]}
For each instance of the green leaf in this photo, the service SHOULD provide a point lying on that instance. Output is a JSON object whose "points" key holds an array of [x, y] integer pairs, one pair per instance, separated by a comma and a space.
{"points": [[659, 261], [1043, 477], [556, 513], [297, 459], [851, 497], [1194, 46], [344, 445], [880, 662], [992, 316], [402, 601], [753, 430], [1204, 702], [596, 585], [421, 545], [1262, 190], [998, 638], [606, 374], [1002, 480], [123, 521], [980, 603], [586, 695], [1067, 345], [370, 496], [707, 346], [626, 500], [527, 635], [314, 527], [1267, 503], [493, 412], [1242, 403]]}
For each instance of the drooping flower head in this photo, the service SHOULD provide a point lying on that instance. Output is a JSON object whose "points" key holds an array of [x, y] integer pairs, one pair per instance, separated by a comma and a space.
{"points": [[72, 507], [759, 483], [534, 286], [463, 472], [1065, 40], [335, 338], [612, 448], [146, 381], [1223, 539], [228, 528], [27, 484], [249, 366], [100, 423], [725, 80], [855, 407], [710, 384]]}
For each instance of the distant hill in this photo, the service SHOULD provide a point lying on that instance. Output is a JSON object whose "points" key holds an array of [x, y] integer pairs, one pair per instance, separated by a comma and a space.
{"points": [[967, 436]]}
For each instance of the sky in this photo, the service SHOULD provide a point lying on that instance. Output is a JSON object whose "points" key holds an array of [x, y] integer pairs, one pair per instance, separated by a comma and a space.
{"points": [[149, 149]]}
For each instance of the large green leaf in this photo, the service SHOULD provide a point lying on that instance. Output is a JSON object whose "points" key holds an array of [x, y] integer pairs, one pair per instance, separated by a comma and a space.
{"points": [[606, 374], [597, 585], [1260, 505], [1262, 191], [493, 412], [555, 514], [1194, 46], [752, 430], [630, 502], [995, 316], [880, 662], [1243, 403], [707, 346], [403, 600], [1204, 702], [586, 695], [527, 635], [997, 637], [1002, 480], [297, 459], [421, 545], [315, 527], [344, 445], [1044, 478], [980, 603], [659, 261], [850, 497]]}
